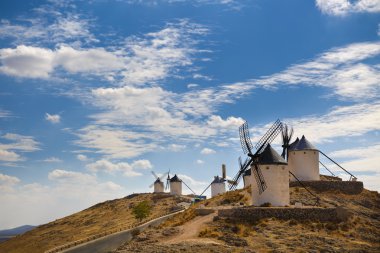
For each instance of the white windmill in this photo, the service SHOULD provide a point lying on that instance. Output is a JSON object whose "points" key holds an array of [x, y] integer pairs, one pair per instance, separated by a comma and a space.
{"points": [[158, 183]]}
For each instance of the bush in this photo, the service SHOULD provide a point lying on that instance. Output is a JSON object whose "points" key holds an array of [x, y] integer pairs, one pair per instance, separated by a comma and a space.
{"points": [[141, 210]]}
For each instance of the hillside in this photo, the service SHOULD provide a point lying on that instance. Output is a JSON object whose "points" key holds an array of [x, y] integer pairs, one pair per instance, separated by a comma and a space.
{"points": [[99, 218], [187, 232]]}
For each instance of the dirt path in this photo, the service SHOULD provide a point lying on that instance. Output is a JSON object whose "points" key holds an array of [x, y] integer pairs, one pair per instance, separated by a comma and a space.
{"points": [[190, 230]]}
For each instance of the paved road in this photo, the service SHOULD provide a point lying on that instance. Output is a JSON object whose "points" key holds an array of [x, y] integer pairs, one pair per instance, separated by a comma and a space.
{"points": [[112, 242]]}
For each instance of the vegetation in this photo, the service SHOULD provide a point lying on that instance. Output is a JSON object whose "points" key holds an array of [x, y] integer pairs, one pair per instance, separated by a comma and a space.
{"points": [[142, 210]]}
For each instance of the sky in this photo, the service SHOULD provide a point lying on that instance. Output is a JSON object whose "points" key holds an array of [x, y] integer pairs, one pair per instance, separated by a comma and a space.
{"points": [[96, 94]]}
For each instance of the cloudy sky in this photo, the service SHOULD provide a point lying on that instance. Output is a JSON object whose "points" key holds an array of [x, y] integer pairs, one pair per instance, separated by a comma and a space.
{"points": [[96, 94]]}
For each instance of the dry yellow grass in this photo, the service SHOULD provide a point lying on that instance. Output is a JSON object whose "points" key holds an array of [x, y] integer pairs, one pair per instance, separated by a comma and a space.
{"points": [[360, 233], [109, 215]]}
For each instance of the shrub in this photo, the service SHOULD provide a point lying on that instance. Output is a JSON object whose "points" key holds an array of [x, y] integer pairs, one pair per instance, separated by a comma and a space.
{"points": [[141, 210]]}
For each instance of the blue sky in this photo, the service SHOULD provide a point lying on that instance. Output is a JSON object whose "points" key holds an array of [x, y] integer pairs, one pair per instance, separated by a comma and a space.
{"points": [[95, 94]]}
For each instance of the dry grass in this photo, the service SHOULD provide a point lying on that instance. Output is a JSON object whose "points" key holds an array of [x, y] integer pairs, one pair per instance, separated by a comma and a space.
{"points": [[109, 215]]}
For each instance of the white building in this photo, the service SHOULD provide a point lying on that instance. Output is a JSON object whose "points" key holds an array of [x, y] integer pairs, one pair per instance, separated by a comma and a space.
{"points": [[303, 160], [158, 186], [247, 178], [276, 175], [218, 186], [175, 185]]}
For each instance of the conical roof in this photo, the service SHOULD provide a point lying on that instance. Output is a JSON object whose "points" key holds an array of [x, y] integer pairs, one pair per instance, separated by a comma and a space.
{"points": [[247, 172], [270, 156], [293, 145], [157, 181], [217, 180], [175, 179], [304, 144]]}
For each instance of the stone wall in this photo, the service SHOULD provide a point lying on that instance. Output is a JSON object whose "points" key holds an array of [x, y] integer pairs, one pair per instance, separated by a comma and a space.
{"points": [[347, 187], [285, 213]]}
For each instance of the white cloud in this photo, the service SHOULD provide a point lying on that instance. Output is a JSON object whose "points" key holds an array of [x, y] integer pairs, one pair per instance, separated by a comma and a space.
{"points": [[200, 161], [27, 61], [7, 183], [207, 151], [360, 159], [46, 24], [82, 158], [339, 69], [128, 170], [5, 179], [139, 60], [142, 164], [192, 85], [5, 114], [229, 123], [16, 143], [52, 160], [176, 147], [9, 156], [343, 7], [53, 118], [64, 176], [341, 121], [113, 141]]}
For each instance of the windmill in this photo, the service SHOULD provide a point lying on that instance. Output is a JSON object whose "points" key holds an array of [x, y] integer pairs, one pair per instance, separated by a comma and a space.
{"points": [[158, 183], [253, 159], [167, 181], [287, 134]]}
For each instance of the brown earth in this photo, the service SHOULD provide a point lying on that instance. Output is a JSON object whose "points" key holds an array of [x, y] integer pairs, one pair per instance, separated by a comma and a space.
{"points": [[360, 233]]}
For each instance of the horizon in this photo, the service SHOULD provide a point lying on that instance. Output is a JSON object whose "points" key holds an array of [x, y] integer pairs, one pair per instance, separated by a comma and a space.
{"points": [[94, 95]]}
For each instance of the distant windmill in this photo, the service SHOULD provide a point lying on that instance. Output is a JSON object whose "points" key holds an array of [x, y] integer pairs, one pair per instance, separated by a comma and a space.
{"points": [[287, 134], [158, 183], [253, 159]]}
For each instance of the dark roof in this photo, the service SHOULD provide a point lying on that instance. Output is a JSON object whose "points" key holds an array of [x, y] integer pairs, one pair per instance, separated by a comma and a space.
{"points": [[270, 156], [218, 180], [304, 144], [247, 172], [175, 179], [157, 181], [293, 145]]}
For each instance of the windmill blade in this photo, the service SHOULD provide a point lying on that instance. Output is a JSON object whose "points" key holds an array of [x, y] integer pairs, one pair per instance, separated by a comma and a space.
{"points": [[245, 140], [269, 136], [154, 174], [163, 176], [150, 186], [261, 185], [287, 134], [238, 176]]}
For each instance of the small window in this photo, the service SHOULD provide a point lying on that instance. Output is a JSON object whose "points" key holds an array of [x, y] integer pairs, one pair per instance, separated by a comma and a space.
{"points": [[315, 152], [267, 168], [283, 167], [304, 152]]}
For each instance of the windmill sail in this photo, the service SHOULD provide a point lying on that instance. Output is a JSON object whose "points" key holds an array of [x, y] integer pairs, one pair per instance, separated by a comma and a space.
{"points": [[246, 145]]}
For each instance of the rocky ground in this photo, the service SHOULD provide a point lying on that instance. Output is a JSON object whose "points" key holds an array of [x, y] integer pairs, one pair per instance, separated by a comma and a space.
{"points": [[360, 233]]}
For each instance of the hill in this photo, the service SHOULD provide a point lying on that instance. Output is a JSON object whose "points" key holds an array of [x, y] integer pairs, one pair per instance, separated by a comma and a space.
{"points": [[187, 232], [9, 233], [109, 215]]}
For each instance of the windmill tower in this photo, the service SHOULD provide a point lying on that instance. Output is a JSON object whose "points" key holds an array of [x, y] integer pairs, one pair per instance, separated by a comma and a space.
{"points": [[175, 185], [303, 160], [247, 179], [158, 184], [275, 169], [218, 186]]}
